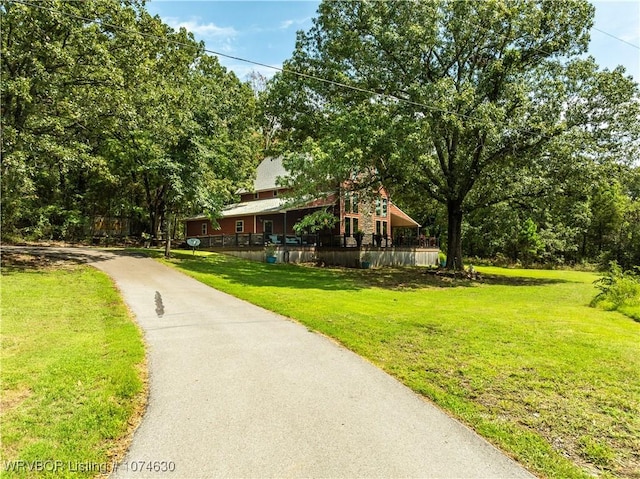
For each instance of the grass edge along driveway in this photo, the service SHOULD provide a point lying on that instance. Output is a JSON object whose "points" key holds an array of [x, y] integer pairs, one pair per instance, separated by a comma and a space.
{"points": [[520, 357], [73, 370]]}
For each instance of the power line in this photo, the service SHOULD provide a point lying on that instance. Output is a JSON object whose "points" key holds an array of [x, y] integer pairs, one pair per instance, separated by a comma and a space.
{"points": [[617, 38], [282, 70]]}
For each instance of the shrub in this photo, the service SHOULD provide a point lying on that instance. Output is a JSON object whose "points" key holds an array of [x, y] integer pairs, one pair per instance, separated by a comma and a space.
{"points": [[618, 288], [270, 250]]}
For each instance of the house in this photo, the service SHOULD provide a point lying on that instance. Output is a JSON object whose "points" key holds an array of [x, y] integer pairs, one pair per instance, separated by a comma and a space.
{"points": [[263, 215]]}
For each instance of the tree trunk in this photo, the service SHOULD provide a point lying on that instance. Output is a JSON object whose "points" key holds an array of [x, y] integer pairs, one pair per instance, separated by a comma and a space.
{"points": [[167, 244], [454, 237]]}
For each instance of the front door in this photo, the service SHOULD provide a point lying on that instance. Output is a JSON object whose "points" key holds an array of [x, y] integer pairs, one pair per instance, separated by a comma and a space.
{"points": [[268, 227]]}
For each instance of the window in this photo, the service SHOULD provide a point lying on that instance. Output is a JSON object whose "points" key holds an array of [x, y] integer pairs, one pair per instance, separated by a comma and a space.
{"points": [[275, 192], [378, 207], [378, 230], [347, 226], [204, 229], [384, 207], [384, 229], [239, 226], [351, 203], [256, 195], [354, 222]]}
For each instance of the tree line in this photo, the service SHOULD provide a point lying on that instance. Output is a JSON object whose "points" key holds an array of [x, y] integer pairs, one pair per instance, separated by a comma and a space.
{"points": [[484, 120], [106, 110]]}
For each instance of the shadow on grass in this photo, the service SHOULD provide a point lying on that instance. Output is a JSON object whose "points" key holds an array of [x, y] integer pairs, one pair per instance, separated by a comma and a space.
{"points": [[36, 258], [251, 273], [495, 279], [418, 277]]}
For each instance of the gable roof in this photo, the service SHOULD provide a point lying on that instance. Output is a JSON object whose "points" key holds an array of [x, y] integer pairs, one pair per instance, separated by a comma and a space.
{"points": [[267, 173]]}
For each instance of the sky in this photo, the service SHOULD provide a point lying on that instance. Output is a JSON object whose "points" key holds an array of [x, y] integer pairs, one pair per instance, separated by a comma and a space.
{"points": [[265, 31]]}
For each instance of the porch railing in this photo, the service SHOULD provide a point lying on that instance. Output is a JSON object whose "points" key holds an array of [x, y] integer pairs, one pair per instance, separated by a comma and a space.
{"points": [[332, 241]]}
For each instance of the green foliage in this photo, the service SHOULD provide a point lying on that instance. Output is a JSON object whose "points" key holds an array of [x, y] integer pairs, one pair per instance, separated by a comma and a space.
{"points": [[119, 116], [529, 242], [270, 250], [317, 221], [618, 288], [470, 104], [593, 216]]}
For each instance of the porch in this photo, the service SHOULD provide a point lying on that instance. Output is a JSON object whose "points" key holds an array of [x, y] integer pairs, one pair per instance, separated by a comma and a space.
{"points": [[318, 240], [335, 250]]}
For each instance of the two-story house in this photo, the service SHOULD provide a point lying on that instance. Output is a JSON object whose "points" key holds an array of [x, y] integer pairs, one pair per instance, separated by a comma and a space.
{"points": [[264, 211]]}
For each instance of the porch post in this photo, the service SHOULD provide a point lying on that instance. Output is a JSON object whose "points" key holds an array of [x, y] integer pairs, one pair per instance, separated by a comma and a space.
{"points": [[285, 253]]}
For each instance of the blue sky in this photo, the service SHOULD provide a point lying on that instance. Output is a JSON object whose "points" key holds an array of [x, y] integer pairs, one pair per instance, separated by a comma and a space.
{"points": [[265, 31]]}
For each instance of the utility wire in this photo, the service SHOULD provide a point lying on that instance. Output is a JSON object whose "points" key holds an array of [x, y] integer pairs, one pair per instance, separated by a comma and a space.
{"points": [[282, 70], [617, 38]]}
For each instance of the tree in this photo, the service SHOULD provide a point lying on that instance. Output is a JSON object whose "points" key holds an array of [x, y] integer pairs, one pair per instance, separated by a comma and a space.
{"points": [[108, 110], [192, 142], [463, 102], [58, 79]]}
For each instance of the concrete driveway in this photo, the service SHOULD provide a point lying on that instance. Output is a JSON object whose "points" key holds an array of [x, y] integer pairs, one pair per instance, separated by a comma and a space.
{"points": [[238, 391]]}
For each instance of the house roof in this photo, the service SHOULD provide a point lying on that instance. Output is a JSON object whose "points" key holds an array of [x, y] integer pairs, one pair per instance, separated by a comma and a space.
{"points": [[270, 205], [267, 173], [400, 218]]}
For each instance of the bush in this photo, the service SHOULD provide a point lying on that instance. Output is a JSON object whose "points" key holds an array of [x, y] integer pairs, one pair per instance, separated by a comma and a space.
{"points": [[618, 288]]}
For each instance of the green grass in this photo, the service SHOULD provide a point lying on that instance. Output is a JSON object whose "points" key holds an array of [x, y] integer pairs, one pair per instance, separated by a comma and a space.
{"points": [[632, 311], [520, 356], [73, 376]]}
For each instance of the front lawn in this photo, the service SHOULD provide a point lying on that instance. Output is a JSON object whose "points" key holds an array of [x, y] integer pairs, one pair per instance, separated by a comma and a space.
{"points": [[520, 356], [73, 377]]}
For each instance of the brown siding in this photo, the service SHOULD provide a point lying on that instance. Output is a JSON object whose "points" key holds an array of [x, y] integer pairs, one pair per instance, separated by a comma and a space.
{"points": [[278, 222], [262, 195], [228, 225], [194, 227]]}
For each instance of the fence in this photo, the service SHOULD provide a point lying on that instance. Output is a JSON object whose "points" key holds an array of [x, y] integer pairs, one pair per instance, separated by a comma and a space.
{"points": [[330, 241]]}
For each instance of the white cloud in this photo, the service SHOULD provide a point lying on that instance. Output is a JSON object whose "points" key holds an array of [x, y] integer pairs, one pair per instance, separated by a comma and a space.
{"points": [[202, 30], [295, 22]]}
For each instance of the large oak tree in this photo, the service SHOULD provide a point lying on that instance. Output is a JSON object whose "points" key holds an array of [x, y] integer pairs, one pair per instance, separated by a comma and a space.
{"points": [[464, 102]]}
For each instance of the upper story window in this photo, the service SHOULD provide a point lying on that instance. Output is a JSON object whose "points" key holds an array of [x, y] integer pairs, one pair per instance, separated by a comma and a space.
{"points": [[351, 203], [381, 206]]}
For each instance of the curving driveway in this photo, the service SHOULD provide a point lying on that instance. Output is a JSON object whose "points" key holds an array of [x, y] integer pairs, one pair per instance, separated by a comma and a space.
{"points": [[238, 391]]}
